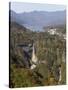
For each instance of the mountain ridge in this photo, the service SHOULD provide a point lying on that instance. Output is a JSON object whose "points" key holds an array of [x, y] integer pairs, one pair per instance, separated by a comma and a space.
{"points": [[38, 19]]}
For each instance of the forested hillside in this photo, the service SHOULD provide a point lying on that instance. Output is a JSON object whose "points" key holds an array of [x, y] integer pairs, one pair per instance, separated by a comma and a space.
{"points": [[50, 51]]}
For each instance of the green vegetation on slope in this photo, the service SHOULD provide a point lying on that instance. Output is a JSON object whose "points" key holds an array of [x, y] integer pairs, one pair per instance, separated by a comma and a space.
{"points": [[51, 49]]}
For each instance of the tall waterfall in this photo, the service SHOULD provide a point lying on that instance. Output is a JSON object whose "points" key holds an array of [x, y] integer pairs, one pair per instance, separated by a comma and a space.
{"points": [[34, 58]]}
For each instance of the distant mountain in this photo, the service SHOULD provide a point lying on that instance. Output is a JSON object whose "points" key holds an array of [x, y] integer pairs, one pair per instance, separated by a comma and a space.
{"points": [[36, 20]]}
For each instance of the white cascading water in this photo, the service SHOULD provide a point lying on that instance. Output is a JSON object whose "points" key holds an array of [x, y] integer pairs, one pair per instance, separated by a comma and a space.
{"points": [[34, 58], [59, 76]]}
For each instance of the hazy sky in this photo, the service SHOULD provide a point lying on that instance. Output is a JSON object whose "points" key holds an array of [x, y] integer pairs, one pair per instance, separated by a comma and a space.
{"points": [[27, 7]]}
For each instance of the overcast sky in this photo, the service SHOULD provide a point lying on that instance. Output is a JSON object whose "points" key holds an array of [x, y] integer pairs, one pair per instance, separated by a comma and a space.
{"points": [[28, 7]]}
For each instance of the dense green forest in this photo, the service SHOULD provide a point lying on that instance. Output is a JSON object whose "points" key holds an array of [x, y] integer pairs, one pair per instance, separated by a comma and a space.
{"points": [[51, 49]]}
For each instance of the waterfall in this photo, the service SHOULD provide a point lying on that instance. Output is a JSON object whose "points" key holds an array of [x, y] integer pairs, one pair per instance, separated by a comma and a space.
{"points": [[34, 58], [59, 75]]}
